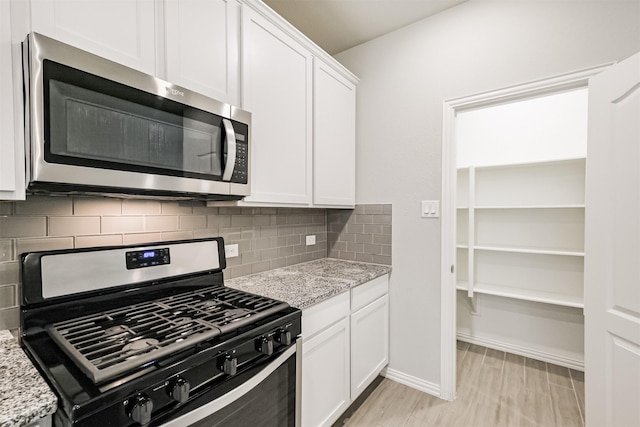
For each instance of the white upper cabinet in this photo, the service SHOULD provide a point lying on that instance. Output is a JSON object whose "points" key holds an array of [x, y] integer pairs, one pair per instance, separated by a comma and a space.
{"points": [[11, 163], [276, 89], [334, 138], [201, 46], [123, 31]]}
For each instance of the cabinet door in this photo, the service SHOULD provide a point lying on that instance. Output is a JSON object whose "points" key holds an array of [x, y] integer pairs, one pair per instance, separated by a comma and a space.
{"points": [[369, 343], [202, 47], [276, 89], [334, 138], [120, 30], [11, 163], [325, 375]]}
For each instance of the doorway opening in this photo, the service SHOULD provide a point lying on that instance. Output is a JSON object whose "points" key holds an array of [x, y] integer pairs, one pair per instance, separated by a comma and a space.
{"points": [[513, 221]]}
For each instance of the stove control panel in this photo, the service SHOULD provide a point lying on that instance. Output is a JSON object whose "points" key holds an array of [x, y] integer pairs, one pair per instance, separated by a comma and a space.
{"points": [[147, 258]]}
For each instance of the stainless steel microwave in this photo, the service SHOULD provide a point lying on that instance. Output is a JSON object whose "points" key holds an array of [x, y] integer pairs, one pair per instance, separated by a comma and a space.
{"points": [[95, 126]]}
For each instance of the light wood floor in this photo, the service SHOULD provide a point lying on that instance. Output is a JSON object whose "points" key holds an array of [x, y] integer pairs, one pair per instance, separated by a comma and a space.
{"points": [[494, 388]]}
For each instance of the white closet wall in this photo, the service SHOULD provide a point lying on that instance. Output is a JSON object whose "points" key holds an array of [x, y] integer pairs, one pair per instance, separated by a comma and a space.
{"points": [[520, 226]]}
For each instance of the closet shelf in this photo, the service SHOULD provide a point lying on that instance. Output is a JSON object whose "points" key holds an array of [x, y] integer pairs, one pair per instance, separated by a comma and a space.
{"points": [[523, 207], [524, 294], [516, 250], [534, 163], [527, 250]]}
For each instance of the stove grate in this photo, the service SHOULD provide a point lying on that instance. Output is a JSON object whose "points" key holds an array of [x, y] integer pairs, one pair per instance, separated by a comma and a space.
{"points": [[110, 343]]}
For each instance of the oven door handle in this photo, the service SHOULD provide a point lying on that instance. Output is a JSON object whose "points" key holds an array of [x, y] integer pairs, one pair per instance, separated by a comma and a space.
{"points": [[231, 148], [235, 394]]}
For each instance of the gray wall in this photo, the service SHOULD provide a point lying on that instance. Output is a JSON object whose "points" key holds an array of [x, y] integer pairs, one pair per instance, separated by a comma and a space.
{"points": [[405, 76]]}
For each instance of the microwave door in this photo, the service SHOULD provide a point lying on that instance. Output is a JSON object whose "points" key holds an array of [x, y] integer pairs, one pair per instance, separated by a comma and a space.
{"points": [[202, 148]]}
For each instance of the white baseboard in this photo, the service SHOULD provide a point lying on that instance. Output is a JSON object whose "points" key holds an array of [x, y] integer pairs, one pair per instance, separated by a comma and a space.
{"points": [[411, 381], [523, 351]]}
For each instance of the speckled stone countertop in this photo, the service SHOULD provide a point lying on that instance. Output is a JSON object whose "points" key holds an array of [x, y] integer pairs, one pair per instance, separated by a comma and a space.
{"points": [[309, 283], [24, 395]]}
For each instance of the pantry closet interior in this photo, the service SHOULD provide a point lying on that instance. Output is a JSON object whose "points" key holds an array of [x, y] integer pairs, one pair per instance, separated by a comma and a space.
{"points": [[519, 222]]}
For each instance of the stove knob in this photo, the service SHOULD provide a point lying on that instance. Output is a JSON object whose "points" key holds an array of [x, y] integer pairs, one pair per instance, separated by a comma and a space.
{"points": [[180, 390], [283, 337], [265, 346], [229, 365], [141, 409]]}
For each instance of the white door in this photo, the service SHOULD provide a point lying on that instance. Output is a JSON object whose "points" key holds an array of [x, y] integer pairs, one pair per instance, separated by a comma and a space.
{"points": [[612, 248]]}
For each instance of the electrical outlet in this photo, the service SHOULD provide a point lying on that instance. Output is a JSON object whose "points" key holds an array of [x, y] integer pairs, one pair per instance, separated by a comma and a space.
{"points": [[311, 240], [231, 251], [430, 209]]}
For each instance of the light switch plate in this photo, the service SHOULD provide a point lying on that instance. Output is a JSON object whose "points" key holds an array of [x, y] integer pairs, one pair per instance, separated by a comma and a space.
{"points": [[231, 251], [430, 209], [311, 240]]}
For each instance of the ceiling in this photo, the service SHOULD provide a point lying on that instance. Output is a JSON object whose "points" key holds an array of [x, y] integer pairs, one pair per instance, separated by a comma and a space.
{"points": [[337, 25]]}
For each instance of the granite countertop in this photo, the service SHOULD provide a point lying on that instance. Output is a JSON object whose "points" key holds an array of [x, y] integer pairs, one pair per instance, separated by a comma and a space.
{"points": [[24, 395], [309, 283]]}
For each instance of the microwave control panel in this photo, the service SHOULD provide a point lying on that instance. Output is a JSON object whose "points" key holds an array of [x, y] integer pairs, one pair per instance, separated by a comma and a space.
{"points": [[242, 164], [241, 170]]}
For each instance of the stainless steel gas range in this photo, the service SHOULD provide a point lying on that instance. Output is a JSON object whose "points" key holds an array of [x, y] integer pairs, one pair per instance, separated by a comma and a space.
{"points": [[149, 335]]}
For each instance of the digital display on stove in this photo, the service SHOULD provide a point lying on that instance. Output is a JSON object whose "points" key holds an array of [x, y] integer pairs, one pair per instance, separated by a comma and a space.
{"points": [[147, 258]]}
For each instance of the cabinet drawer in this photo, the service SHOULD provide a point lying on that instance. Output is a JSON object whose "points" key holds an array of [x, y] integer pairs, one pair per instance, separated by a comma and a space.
{"points": [[369, 292], [325, 314]]}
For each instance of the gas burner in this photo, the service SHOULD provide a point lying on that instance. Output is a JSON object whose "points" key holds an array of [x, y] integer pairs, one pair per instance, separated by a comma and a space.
{"points": [[209, 304], [236, 314], [140, 344], [115, 330]]}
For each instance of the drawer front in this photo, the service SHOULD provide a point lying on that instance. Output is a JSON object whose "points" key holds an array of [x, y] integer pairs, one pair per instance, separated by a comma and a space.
{"points": [[324, 314], [369, 292]]}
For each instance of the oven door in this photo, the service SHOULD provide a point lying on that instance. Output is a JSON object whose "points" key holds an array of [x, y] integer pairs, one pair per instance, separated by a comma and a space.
{"points": [[264, 396]]}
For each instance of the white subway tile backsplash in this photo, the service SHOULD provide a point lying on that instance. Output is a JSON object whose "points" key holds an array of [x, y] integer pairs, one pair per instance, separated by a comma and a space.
{"points": [[363, 234], [268, 238], [43, 244], [8, 296], [73, 225], [45, 205], [241, 220], [122, 224], [218, 221], [99, 240], [176, 208], [161, 223], [193, 222], [141, 207], [6, 208], [6, 250], [97, 206], [23, 226], [132, 239], [177, 235], [9, 272], [207, 232]]}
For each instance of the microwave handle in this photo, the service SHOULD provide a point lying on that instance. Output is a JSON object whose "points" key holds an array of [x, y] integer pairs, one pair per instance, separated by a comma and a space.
{"points": [[230, 142]]}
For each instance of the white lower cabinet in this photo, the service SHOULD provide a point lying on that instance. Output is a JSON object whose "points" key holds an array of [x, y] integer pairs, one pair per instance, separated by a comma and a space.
{"points": [[369, 344], [345, 346], [325, 375]]}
